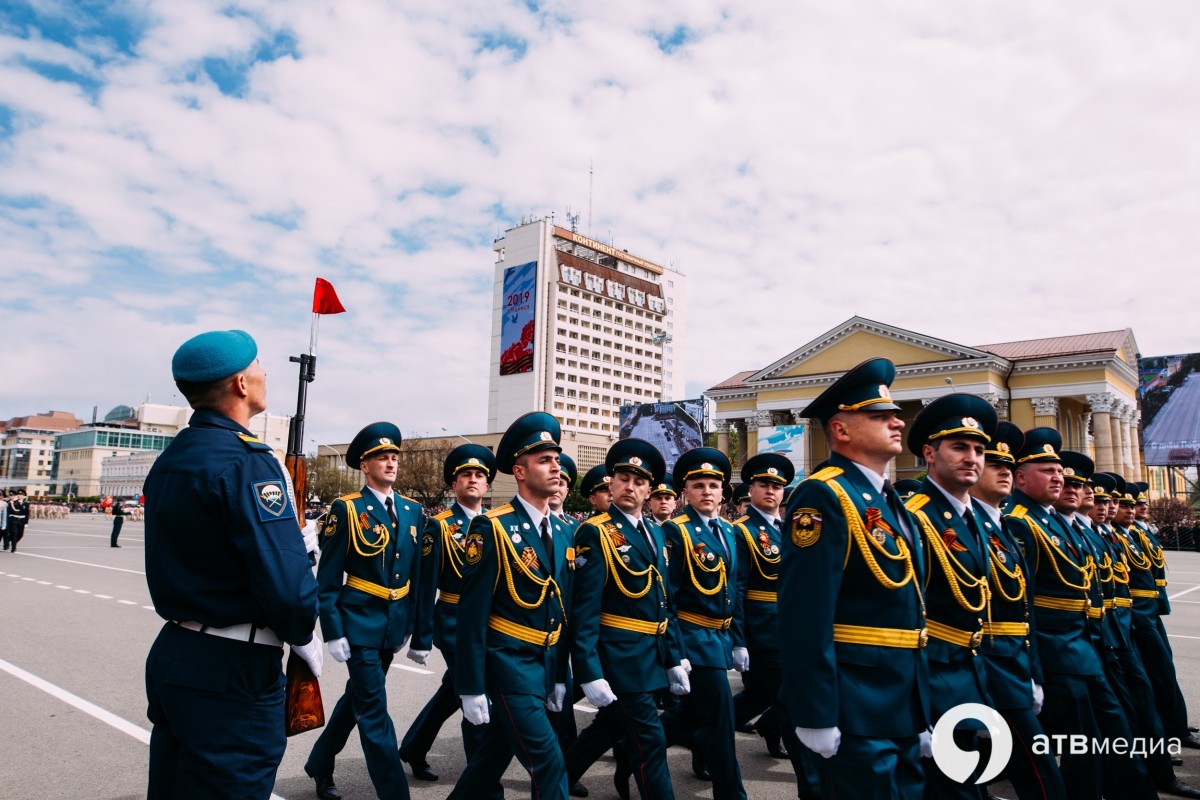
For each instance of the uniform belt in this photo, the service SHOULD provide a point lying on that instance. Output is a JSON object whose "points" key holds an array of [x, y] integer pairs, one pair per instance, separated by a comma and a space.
{"points": [[635, 625], [1095, 613], [705, 622], [1006, 628], [1148, 593], [1160, 581], [447, 597], [881, 637], [956, 636], [1061, 604], [1109, 602], [525, 634], [1123, 602], [762, 597], [245, 632], [375, 590]]}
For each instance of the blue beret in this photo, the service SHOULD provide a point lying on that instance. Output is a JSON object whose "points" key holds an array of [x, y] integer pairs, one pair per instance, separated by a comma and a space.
{"points": [[213, 355]]}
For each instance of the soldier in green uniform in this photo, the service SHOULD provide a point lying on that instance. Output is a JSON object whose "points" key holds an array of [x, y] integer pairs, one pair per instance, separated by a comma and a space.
{"points": [[703, 574], [855, 680], [663, 499], [368, 577], [595, 488], [468, 470], [511, 618]]}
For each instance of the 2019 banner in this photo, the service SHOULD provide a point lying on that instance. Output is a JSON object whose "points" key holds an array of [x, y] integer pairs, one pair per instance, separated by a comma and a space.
{"points": [[517, 321]]}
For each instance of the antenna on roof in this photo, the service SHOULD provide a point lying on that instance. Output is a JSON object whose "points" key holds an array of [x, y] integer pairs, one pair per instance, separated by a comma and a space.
{"points": [[591, 173]]}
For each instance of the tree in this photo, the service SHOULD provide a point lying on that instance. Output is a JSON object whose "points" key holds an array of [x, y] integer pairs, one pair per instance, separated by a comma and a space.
{"points": [[1166, 511], [327, 481], [419, 475]]}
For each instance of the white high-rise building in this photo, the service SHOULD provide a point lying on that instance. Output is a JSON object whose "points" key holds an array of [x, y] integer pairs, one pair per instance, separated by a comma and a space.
{"points": [[580, 329]]}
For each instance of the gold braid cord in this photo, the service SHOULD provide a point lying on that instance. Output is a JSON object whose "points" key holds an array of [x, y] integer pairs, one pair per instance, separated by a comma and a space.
{"points": [[359, 539], [756, 556], [1155, 554], [1139, 562], [616, 566], [1056, 555], [452, 551], [1016, 574], [958, 577], [693, 562], [508, 556]]}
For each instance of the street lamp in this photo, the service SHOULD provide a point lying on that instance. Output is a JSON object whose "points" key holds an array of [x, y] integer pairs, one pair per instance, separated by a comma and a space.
{"points": [[459, 435], [662, 339], [340, 458]]}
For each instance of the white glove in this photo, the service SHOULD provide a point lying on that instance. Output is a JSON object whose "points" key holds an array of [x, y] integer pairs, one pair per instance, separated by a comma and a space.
{"points": [[312, 655], [598, 692], [1039, 698], [687, 665], [822, 741], [340, 650], [555, 701], [475, 709], [741, 659], [309, 532], [417, 656], [677, 677], [925, 742]]}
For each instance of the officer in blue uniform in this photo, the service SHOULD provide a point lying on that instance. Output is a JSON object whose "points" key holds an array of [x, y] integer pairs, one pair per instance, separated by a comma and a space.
{"points": [[623, 650], [1078, 699], [512, 616], [855, 680], [663, 499], [227, 568], [703, 575], [468, 470], [369, 575], [595, 489], [951, 434]]}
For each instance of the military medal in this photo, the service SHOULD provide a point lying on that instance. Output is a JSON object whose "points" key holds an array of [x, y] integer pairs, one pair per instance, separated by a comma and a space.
{"points": [[879, 535], [1057, 542], [516, 537], [529, 558]]}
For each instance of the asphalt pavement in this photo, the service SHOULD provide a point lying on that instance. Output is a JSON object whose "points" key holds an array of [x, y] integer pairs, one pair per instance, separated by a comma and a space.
{"points": [[76, 625]]}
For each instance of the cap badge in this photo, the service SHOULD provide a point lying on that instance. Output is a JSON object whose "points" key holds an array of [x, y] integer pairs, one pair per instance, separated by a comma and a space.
{"points": [[970, 422], [635, 461], [473, 462], [1048, 448], [772, 471], [606, 479], [1069, 472], [545, 436], [384, 440], [706, 465], [1002, 447], [884, 393]]}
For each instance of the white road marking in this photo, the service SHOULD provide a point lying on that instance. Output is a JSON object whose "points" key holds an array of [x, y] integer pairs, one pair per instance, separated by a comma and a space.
{"points": [[417, 670], [586, 709], [83, 563], [107, 717], [45, 583], [1185, 591], [81, 591], [1181, 636], [103, 596], [127, 602]]}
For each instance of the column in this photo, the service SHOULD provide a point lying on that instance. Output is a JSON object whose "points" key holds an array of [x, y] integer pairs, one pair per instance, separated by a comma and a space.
{"points": [[1135, 436], [1101, 405], [1045, 412], [1118, 410], [743, 434], [758, 420], [1127, 438], [1086, 445], [806, 459], [722, 428], [998, 403]]}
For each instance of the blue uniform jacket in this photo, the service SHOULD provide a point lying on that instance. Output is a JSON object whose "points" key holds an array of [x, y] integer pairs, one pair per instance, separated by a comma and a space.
{"points": [[222, 543], [360, 542], [825, 580], [1120, 617], [956, 674], [1060, 575], [1101, 592], [702, 581], [441, 576], [1141, 578], [510, 585], [756, 618], [614, 564], [1152, 545]]}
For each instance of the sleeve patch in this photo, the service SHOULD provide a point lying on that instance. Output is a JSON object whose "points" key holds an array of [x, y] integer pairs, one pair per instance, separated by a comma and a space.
{"points": [[427, 544], [473, 548], [806, 527], [271, 500]]}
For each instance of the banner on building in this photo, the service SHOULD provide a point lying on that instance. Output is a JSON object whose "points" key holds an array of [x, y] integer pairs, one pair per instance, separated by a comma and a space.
{"points": [[673, 428], [1169, 394], [517, 320], [788, 441]]}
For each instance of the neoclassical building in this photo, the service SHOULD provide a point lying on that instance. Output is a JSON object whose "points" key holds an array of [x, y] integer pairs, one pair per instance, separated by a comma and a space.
{"points": [[1083, 385]]}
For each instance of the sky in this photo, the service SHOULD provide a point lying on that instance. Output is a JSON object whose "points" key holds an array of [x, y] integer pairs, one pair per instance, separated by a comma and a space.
{"points": [[976, 172]]}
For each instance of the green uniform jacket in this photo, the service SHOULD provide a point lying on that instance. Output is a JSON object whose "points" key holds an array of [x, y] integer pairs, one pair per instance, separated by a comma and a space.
{"points": [[703, 581], [756, 619]]}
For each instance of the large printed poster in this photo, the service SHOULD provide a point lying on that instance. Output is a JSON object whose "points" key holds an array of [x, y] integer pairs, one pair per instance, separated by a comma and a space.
{"points": [[672, 427], [1170, 401], [516, 322], [787, 440]]}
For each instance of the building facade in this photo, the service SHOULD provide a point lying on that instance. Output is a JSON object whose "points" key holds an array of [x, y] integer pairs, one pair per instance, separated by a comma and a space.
{"points": [[27, 450], [1084, 385], [579, 329]]}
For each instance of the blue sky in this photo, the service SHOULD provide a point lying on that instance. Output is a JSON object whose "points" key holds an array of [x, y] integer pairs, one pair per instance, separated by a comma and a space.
{"points": [[979, 173]]}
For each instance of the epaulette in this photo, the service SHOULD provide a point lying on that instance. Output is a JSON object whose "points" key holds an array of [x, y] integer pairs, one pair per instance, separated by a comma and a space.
{"points": [[681, 519], [917, 502], [1019, 511], [499, 511], [408, 499], [346, 498], [447, 514], [741, 519], [827, 474], [253, 442], [599, 519]]}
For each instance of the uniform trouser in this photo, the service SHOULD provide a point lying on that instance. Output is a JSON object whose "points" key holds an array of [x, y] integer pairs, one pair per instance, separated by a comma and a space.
{"points": [[879, 769], [1160, 667], [419, 738], [1033, 776], [1085, 705], [940, 786], [217, 710], [1131, 685], [708, 711], [760, 696], [1180, 712], [116, 531], [364, 703], [632, 719], [520, 726], [15, 532]]}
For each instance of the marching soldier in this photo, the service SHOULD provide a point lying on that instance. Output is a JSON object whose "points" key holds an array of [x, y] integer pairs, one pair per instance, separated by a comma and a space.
{"points": [[663, 499], [512, 613], [739, 501], [18, 518], [622, 650], [369, 575], [566, 468], [595, 488], [703, 572], [468, 471], [1014, 674], [854, 674]]}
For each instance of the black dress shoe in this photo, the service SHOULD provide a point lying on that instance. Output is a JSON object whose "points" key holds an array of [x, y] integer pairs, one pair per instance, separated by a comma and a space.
{"points": [[420, 768], [578, 790], [1176, 761], [1193, 729], [1190, 741], [775, 747], [698, 767], [745, 727], [325, 788], [1180, 789]]}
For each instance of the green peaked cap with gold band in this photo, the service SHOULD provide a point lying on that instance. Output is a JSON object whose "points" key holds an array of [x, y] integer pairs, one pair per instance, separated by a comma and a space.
{"points": [[529, 433], [1041, 444], [1005, 445], [863, 388], [1104, 485], [637, 456], [1077, 468], [773, 467], [702, 462], [950, 416], [378, 437], [469, 456], [664, 486], [595, 478], [566, 465]]}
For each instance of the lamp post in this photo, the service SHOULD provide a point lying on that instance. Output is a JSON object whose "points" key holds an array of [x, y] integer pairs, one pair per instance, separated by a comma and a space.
{"points": [[662, 338], [459, 435], [341, 464]]}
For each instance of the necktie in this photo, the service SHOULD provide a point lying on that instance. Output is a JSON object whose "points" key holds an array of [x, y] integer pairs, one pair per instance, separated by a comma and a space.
{"points": [[392, 513], [548, 543], [973, 526], [716, 529], [649, 542], [893, 502]]}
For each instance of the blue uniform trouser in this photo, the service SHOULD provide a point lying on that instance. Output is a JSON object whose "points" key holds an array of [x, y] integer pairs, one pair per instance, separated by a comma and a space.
{"points": [[881, 769], [708, 711], [1033, 776], [1131, 684], [1160, 666], [217, 710], [1178, 726], [761, 695], [633, 719], [602, 734], [364, 703], [520, 726], [419, 739]]}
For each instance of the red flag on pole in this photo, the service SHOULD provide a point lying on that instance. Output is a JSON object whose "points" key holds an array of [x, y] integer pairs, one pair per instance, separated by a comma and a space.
{"points": [[325, 299]]}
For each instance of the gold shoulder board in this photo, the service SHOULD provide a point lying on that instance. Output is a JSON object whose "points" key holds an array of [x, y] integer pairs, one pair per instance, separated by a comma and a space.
{"points": [[499, 511]]}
